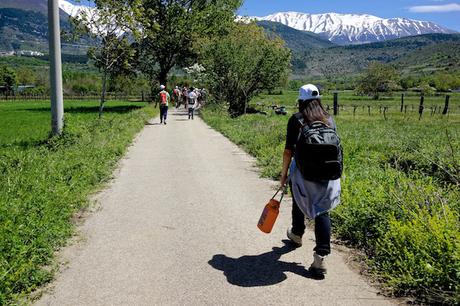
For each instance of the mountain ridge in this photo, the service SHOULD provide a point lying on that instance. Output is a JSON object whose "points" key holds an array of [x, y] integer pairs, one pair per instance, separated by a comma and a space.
{"points": [[345, 29], [413, 55], [295, 39]]}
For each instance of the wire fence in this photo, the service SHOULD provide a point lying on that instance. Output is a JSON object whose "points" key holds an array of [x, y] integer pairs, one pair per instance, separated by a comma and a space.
{"points": [[141, 97]]}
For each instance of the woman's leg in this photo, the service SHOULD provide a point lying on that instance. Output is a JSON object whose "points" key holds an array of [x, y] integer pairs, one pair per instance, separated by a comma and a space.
{"points": [[323, 234], [161, 114], [165, 113], [298, 219]]}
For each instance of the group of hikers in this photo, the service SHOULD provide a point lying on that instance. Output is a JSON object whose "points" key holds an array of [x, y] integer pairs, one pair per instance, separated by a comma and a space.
{"points": [[192, 99]]}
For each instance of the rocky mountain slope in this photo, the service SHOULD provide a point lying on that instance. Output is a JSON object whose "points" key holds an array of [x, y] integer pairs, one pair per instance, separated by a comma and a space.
{"points": [[347, 29]]}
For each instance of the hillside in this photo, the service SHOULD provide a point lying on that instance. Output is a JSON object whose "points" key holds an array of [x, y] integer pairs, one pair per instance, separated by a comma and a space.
{"points": [[39, 6], [296, 40], [24, 26], [20, 29], [412, 55]]}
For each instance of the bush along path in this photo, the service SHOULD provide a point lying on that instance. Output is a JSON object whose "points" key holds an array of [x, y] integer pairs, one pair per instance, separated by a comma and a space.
{"points": [[44, 182], [178, 227], [400, 197]]}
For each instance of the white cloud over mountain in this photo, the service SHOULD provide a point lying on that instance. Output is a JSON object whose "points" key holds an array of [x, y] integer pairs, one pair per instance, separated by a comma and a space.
{"points": [[442, 8]]}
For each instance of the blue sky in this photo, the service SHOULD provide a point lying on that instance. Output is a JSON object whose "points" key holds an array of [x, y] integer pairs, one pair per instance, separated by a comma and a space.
{"points": [[442, 12]]}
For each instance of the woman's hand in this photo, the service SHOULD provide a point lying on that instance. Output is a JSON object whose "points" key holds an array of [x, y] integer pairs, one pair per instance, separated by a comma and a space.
{"points": [[283, 179]]}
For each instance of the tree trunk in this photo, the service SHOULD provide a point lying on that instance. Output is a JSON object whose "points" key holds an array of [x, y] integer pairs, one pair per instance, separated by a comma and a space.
{"points": [[245, 103], [104, 90], [163, 77], [153, 94], [237, 107]]}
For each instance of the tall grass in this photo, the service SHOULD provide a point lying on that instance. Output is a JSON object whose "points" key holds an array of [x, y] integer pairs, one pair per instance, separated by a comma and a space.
{"points": [[401, 195], [44, 181]]}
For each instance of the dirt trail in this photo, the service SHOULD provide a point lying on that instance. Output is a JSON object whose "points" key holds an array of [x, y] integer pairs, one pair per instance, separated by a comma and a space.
{"points": [[178, 227]]}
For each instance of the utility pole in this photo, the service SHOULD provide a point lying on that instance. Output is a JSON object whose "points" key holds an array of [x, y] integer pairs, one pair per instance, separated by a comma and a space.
{"points": [[54, 33]]}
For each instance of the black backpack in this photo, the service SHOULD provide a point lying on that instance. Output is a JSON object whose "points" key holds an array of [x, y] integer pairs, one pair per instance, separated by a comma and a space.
{"points": [[318, 153]]}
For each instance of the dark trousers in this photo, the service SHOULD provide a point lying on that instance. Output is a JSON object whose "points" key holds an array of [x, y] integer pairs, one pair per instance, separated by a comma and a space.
{"points": [[322, 229], [191, 110], [163, 112]]}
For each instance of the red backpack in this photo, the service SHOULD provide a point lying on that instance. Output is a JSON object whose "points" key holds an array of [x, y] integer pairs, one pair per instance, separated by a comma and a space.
{"points": [[163, 97]]}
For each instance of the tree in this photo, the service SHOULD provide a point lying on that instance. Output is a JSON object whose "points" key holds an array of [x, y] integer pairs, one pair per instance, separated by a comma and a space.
{"points": [[110, 24], [8, 79], [378, 78], [173, 30], [243, 63]]}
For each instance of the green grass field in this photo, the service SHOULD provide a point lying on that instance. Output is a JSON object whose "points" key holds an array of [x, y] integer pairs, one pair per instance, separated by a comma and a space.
{"points": [[45, 181], [401, 195]]}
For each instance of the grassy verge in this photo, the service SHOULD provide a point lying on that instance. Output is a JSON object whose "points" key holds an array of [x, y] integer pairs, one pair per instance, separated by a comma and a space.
{"points": [[44, 181], [401, 196]]}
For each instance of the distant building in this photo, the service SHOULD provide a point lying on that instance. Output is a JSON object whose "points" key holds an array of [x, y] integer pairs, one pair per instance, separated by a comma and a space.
{"points": [[6, 53], [22, 88], [29, 53]]}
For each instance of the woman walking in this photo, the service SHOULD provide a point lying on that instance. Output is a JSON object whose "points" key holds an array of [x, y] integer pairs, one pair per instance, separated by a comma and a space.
{"points": [[312, 197]]}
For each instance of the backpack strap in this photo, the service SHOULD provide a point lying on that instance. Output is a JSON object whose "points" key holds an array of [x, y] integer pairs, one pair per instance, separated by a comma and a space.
{"points": [[301, 120]]}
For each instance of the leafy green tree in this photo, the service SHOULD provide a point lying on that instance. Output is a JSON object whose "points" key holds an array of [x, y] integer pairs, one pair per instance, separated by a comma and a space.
{"points": [[109, 25], [444, 81], [426, 89], [243, 63], [173, 30], [26, 76], [8, 79], [378, 78]]}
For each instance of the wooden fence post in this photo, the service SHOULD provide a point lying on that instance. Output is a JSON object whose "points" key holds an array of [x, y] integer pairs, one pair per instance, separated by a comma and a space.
{"points": [[446, 105], [402, 102], [421, 107], [336, 103]]}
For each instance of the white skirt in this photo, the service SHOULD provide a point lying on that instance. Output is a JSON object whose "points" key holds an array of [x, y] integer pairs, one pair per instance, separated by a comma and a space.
{"points": [[313, 198]]}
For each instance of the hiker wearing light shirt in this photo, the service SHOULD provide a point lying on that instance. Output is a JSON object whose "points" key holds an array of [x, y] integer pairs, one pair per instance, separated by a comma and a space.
{"points": [[192, 102]]}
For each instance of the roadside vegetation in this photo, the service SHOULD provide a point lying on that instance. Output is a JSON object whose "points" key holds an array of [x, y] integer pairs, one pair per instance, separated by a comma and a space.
{"points": [[401, 195], [45, 181]]}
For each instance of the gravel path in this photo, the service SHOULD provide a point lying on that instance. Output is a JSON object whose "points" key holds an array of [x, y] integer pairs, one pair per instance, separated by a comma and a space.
{"points": [[178, 227]]}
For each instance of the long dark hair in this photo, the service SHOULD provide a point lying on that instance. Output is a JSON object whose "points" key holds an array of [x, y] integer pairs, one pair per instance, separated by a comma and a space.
{"points": [[312, 110]]}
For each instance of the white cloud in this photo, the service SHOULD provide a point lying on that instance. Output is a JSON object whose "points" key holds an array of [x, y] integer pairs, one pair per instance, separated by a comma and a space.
{"points": [[443, 8]]}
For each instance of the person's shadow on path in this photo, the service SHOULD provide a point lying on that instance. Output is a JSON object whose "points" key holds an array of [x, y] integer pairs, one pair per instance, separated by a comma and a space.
{"points": [[259, 270]]}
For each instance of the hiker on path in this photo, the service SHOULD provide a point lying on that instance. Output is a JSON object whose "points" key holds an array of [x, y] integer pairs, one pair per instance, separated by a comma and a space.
{"points": [[177, 96], [311, 198], [185, 97], [164, 103], [192, 102]]}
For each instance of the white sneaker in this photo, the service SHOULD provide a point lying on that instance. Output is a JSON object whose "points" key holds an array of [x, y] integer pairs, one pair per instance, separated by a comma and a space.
{"points": [[318, 266], [297, 240]]}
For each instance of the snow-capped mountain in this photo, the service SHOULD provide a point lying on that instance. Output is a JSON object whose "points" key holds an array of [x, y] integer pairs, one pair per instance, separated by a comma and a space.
{"points": [[347, 29], [72, 9]]}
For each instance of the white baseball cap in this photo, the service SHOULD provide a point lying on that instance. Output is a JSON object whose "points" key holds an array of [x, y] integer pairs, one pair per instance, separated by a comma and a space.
{"points": [[162, 87], [309, 92]]}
